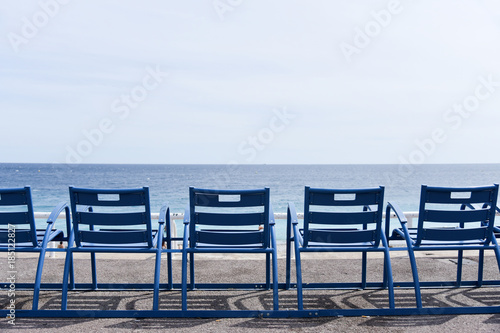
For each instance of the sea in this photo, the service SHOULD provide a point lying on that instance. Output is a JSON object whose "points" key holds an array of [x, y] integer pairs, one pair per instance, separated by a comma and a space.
{"points": [[170, 183]]}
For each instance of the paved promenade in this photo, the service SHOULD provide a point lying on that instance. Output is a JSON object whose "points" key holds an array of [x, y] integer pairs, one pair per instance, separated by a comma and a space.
{"points": [[139, 268]]}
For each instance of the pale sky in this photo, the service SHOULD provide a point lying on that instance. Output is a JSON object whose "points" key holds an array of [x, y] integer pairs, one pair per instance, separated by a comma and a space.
{"points": [[250, 81]]}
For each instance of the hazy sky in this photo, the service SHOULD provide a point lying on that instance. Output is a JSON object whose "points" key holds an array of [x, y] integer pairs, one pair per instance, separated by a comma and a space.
{"points": [[250, 81]]}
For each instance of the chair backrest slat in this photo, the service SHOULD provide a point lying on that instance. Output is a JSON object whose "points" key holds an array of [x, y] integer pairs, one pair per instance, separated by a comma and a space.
{"points": [[15, 218], [116, 208], [455, 235], [243, 219], [22, 236], [440, 206], [229, 198], [345, 217], [325, 236], [456, 216], [331, 214], [447, 195], [112, 219], [16, 208], [232, 238], [14, 196], [342, 197], [236, 209], [113, 198], [113, 237]]}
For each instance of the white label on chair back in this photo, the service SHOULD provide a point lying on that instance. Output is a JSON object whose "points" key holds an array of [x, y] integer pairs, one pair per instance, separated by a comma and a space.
{"points": [[229, 198], [108, 197], [460, 195], [345, 196]]}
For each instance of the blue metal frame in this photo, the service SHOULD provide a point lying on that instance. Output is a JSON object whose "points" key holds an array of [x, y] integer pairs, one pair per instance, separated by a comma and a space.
{"points": [[27, 237], [456, 206], [101, 225], [255, 314], [236, 231], [354, 226], [468, 209]]}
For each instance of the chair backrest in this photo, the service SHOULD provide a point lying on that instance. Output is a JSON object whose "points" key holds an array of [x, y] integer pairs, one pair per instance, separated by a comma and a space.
{"points": [[16, 214], [457, 214], [111, 217], [343, 216], [235, 214]]}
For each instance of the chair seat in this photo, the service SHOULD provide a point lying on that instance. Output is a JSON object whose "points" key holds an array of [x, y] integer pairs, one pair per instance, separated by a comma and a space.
{"points": [[54, 235], [397, 234], [340, 237], [232, 247], [118, 246], [229, 238], [142, 245], [338, 245]]}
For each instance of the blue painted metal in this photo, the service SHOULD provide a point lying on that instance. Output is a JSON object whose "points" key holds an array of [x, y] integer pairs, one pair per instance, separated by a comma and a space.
{"points": [[229, 221], [126, 218], [339, 220], [256, 314], [471, 209], [18, 231], [213, 222]]}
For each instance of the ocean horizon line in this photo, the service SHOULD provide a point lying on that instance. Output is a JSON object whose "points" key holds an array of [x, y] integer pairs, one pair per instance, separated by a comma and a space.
{"points": [[250, 164]]}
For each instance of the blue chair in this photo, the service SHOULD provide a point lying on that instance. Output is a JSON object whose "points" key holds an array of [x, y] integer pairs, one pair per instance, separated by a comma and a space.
{"points": [[450, 219], [339, 220], [18, 231], [115, 221], [227, 221]]}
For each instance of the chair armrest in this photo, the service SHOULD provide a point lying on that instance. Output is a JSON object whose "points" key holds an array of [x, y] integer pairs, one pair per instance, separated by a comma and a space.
{"points": [[292, 214], [185, 238], [54, 215], [163, 218], [187, 216], [293, 223], [399, 213], [402, 219], [57, 211], [187, 220], [497, 229], [164, 213], [52, 219], [271, 216]]}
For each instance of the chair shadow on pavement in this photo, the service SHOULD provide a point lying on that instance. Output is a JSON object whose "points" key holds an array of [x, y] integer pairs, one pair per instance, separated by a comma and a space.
{"points": [[407, 321], [432, 299], [87, 301], [161, 323], [30, 324], [495, 320]]}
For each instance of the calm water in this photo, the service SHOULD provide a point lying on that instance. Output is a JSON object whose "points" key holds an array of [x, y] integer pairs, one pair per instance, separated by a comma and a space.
{"points": [[170, 183]]}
